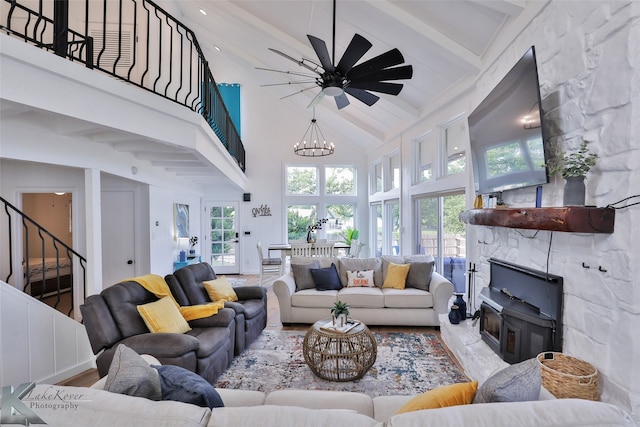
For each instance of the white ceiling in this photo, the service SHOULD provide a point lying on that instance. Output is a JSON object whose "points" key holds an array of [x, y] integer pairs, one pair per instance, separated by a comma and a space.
{"points": [[444, 41]]}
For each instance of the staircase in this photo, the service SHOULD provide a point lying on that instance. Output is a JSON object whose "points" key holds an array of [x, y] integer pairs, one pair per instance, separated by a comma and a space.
{"points": [[39, 263]]}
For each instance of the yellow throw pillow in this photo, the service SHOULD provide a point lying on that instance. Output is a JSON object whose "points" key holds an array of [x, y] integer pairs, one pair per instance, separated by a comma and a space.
{"points": [[163, 316], [220, 289], [441, 397], [396, 276]]}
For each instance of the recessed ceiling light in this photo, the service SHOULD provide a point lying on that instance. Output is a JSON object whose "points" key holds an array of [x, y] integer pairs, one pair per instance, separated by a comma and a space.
{"points": [[204, 12], [217, 48]]}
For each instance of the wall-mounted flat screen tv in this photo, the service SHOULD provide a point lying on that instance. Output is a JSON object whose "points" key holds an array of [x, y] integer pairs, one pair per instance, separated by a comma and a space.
{"points": [[506, 132]]}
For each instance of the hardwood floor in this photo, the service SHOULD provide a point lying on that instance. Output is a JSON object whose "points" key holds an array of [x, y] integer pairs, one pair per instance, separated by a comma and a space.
{"points": [[89, 377]]}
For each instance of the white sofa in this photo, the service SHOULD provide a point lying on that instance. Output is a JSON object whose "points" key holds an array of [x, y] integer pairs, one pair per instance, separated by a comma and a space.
{"points": [[371, 305], [79, 406]]}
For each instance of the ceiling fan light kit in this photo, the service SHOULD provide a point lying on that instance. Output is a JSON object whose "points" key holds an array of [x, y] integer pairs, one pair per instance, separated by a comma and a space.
{"points": [[346, 77]]}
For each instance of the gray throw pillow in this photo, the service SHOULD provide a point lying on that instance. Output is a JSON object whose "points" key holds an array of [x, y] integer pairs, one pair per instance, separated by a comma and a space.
{"points": [[516, 383], [302, 276], [419, 275], [130, 374]]}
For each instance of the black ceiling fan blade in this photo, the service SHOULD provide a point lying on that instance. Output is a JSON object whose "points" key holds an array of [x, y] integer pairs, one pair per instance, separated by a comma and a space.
{"points": [[382, 61], [291, 58], [383, 87], [396, 73], [323, 53], [362, 95], [356, 50], [341, 101]]}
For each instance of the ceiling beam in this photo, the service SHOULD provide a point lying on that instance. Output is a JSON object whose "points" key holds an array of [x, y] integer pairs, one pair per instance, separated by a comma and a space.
{"points": [[508, 7], [429, 32]]}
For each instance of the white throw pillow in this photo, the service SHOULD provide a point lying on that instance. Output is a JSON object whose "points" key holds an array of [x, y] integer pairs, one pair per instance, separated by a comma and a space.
{"points": [[360, 279]]}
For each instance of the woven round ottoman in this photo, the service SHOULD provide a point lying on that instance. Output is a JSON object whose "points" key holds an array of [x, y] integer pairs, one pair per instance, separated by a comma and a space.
{"points": [[337, 356]]}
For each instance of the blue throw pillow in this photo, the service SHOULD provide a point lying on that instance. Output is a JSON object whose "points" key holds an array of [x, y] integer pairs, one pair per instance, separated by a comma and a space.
{"points": [[182, 385], [326, 279]]}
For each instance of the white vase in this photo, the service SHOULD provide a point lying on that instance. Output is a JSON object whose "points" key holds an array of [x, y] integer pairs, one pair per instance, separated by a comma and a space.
{"points": [[340, 320]]}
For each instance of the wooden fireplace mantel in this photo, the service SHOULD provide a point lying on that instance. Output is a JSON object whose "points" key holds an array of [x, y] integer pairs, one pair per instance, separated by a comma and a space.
{"points": [[576, 219]]}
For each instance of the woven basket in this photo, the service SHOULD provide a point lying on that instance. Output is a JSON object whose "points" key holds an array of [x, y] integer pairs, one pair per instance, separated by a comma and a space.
{"points": [[568, 377]]}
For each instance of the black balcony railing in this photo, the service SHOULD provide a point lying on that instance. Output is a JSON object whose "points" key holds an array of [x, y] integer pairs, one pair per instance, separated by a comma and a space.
{"points": [[132, 40]]}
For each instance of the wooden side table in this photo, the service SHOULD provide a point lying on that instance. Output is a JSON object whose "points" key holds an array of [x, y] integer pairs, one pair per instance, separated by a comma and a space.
{"points": [[338, 356]]}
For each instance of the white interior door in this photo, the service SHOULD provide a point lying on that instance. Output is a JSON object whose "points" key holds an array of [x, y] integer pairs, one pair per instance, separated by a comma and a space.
{"points": [[222, 245], [118, 237]]}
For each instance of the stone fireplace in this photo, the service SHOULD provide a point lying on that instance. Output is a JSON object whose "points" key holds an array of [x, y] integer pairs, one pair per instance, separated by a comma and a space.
{"points": [[521, 311]]}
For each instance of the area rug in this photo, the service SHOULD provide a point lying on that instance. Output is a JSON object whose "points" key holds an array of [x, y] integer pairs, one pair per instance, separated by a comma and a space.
{"points": [[406, 364]]}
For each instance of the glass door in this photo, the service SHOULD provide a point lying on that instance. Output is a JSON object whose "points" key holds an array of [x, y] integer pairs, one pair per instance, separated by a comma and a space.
{"points": [[441, 233], [223, 237]]}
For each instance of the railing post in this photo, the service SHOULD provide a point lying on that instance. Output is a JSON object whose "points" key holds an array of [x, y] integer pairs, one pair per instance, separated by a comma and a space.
{"points": [[89, 52], [60, 27]]}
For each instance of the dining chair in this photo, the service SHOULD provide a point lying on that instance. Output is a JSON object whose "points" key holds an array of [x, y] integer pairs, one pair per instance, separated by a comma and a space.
{"points": [[300, 249], [268, 265], [323, 249], [354, 250]]}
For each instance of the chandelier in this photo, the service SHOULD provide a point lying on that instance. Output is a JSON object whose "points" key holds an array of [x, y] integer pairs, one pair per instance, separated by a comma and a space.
{"points": [[315, 145]]}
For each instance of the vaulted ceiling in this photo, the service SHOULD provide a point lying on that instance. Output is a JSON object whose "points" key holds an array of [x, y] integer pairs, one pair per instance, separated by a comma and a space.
{"points": [[444, 41]]}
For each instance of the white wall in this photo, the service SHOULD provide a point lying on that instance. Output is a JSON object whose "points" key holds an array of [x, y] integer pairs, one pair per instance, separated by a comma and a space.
{"points": [[589, 69], [38, 343]]}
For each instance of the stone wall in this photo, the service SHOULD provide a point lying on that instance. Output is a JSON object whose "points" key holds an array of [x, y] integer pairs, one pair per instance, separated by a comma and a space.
{"points": [[588, 56]]}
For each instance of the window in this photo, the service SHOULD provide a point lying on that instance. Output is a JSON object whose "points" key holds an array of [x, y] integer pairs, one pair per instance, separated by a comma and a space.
{"points": [[314, 193], [377, 178], [393, 225], [455, 137], [302, 180], [394, 168], [441, 234], [376, 221], [340, 180], [425, 150], [339, 218], [299, 217]]}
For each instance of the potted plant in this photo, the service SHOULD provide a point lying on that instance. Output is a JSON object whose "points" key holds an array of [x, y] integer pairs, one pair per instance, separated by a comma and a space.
{"points": [[349, 235], [340, 312], [573, 167], [193, 241]]}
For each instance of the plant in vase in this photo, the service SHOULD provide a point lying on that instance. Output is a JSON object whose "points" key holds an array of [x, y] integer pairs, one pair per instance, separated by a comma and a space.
{"points": [[193, 241], [340, 312], [313, 228], [573, 167]]}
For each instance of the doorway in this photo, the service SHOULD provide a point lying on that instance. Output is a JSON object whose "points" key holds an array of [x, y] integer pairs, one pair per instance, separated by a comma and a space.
{"points": [[118, 236], [223, 236]]}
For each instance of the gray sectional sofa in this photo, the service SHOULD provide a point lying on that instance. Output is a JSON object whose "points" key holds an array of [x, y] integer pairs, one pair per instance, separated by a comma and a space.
{"points": [[425, 296]]}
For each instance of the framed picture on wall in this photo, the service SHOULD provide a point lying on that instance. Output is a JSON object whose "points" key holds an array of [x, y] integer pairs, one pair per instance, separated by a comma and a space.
{"points": [[180, 220]]}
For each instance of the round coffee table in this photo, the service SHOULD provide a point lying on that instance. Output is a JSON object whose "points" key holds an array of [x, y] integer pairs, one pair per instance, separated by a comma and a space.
{"points": [[339, 356]]}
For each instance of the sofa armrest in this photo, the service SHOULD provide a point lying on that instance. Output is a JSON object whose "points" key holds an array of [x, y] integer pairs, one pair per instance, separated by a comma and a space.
{"points": [[442, 291], [235, 306], [222, 319], [284, 287], [250, 292]]}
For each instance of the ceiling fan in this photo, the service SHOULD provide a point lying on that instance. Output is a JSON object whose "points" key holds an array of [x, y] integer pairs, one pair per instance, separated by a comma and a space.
{"points": [[346, 77]]}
